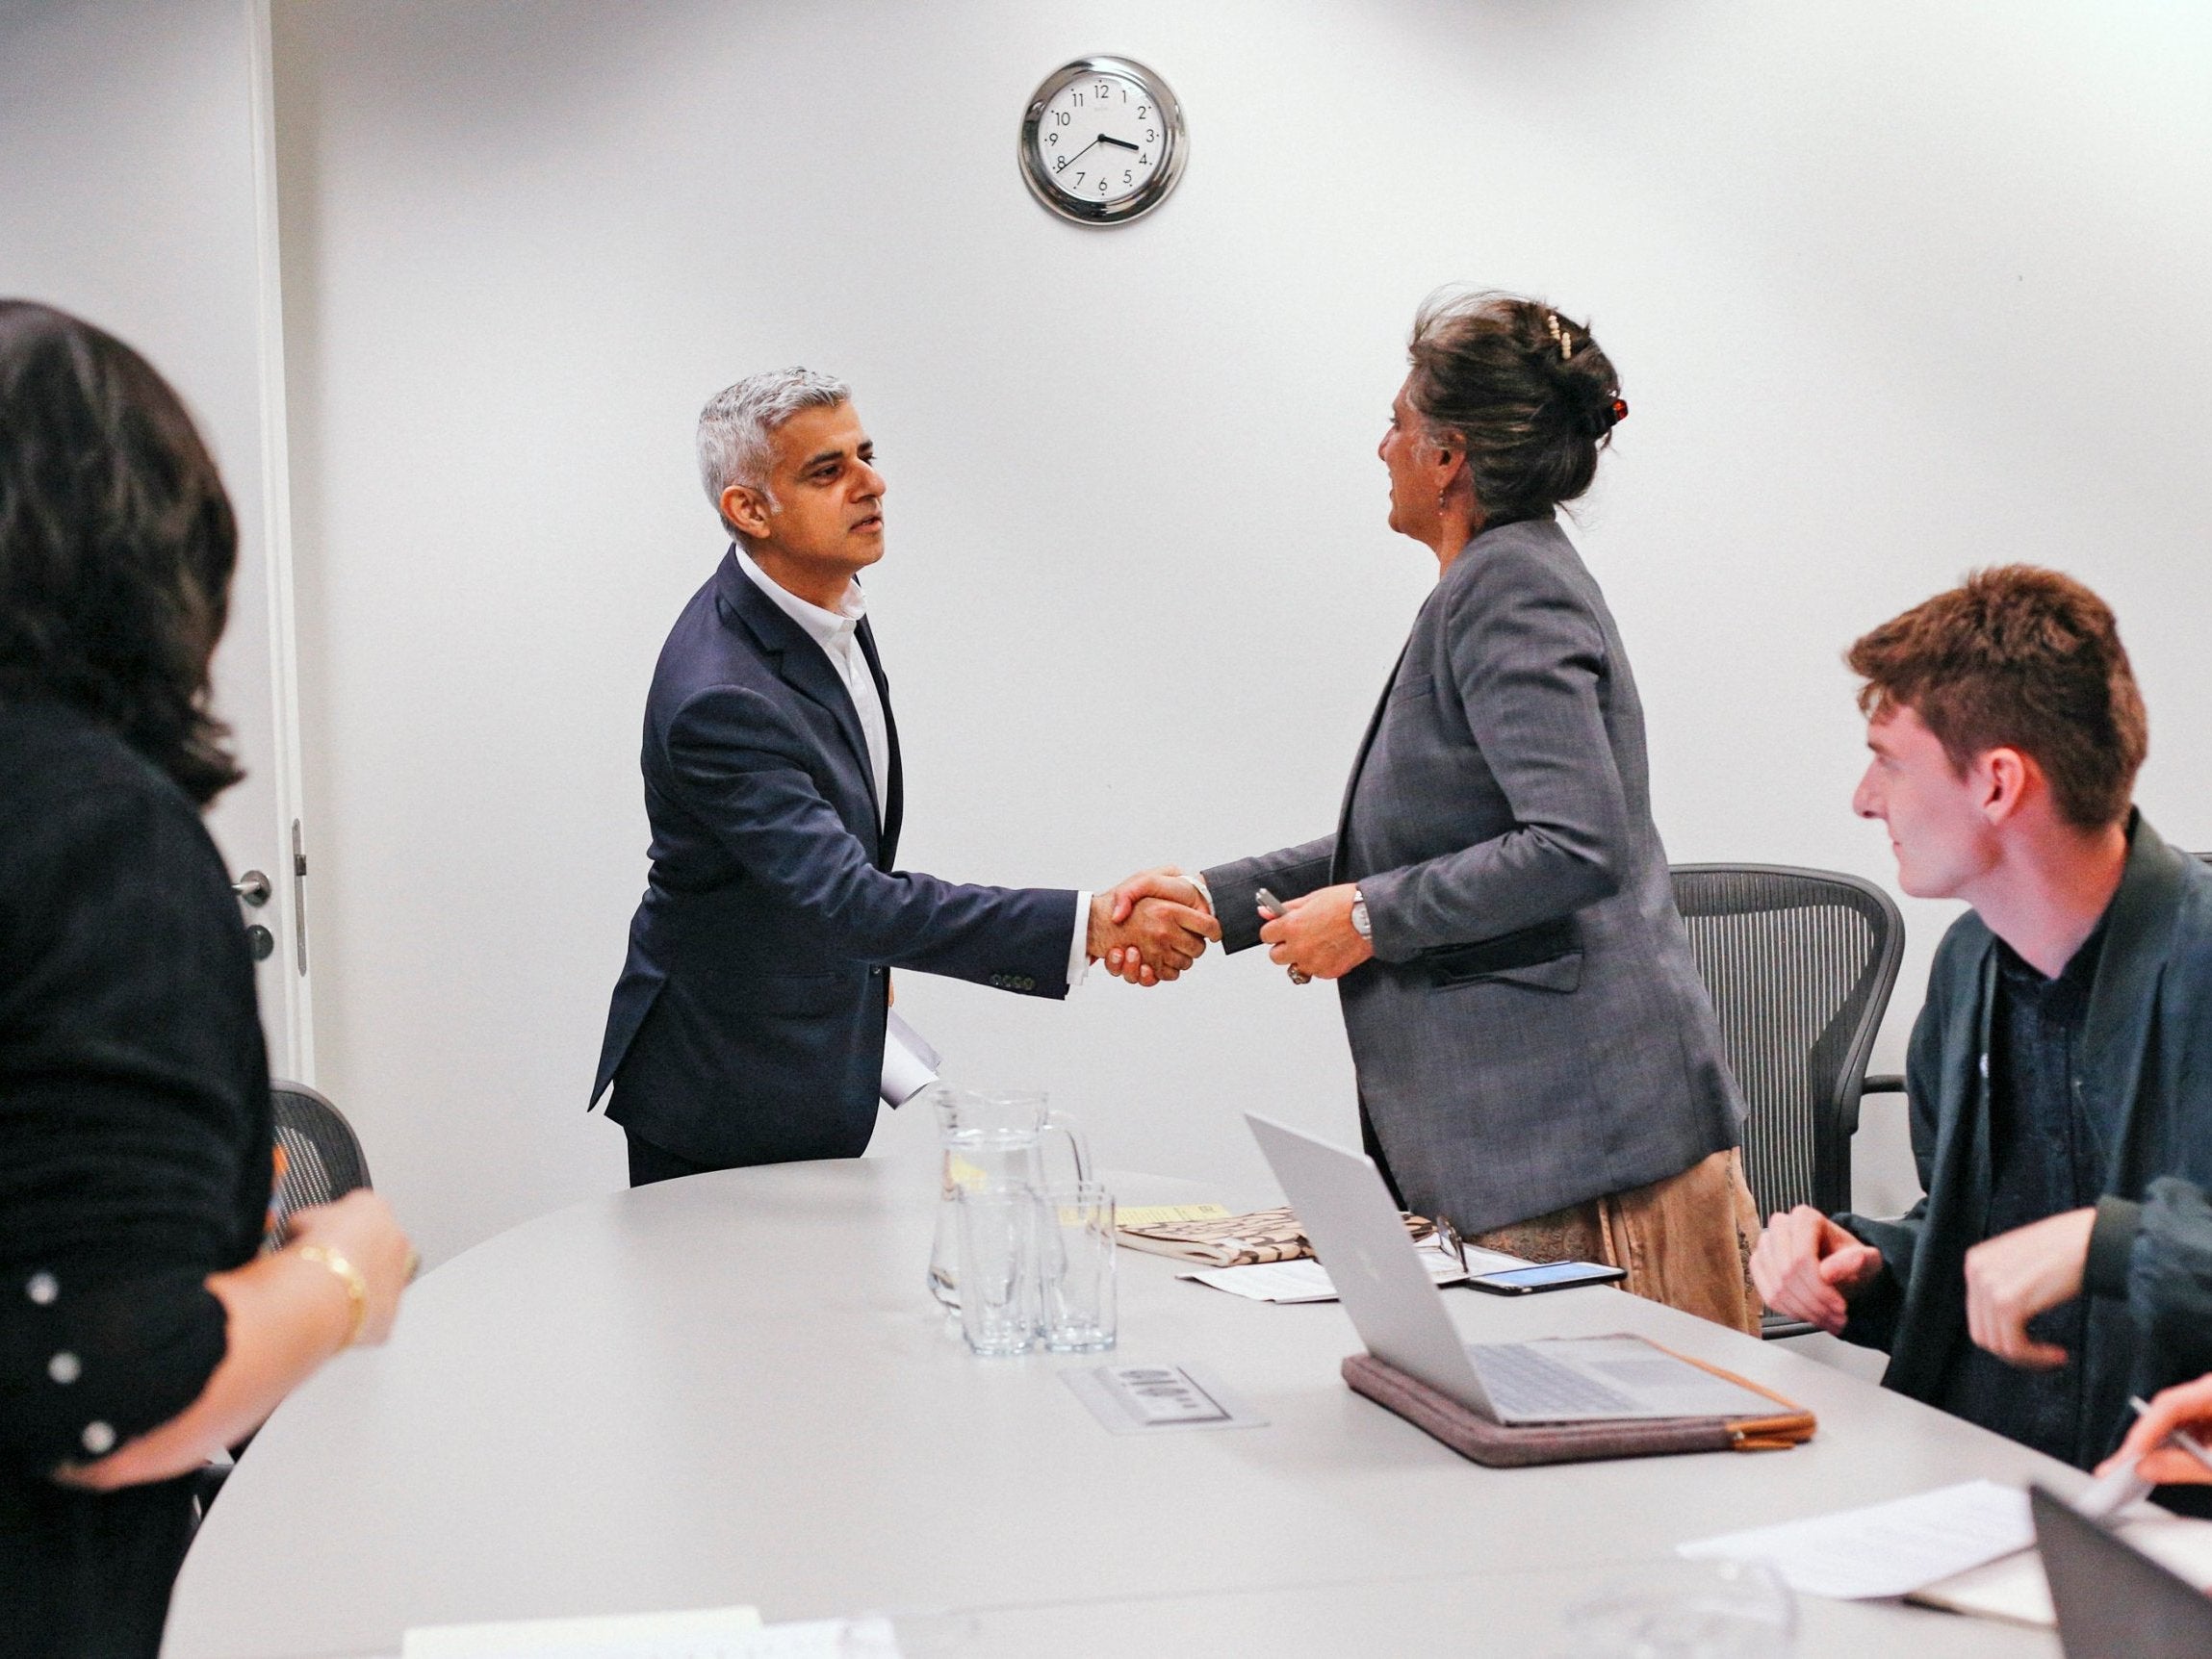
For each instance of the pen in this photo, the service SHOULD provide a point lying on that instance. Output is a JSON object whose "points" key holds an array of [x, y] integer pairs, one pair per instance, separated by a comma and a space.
{"points": [[2178, 1437]]}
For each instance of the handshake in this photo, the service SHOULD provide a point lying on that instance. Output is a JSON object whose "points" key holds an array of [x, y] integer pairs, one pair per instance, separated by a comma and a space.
{"points": [[1156, 924], [1152, 927]]}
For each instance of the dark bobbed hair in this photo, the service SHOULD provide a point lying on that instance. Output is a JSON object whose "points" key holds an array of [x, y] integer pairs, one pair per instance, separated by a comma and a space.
{"points": [[2018, 657], [117, 543], [1525, 390]]}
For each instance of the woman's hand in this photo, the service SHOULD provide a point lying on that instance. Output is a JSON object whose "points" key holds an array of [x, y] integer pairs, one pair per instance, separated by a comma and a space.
{"points": [[2184, 1406], [284, 1316], [361, 1227], [1315, 935]]}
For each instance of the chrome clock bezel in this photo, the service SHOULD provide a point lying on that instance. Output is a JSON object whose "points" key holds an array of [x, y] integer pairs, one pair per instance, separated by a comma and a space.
{"points": [[1175, 142]]}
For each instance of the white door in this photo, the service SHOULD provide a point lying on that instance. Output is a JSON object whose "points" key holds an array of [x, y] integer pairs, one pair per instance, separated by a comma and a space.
{"points": [[139, 192]]}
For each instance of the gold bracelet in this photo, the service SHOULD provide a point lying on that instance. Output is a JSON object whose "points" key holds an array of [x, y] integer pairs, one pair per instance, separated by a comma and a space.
{"points": [[356, 1287]]}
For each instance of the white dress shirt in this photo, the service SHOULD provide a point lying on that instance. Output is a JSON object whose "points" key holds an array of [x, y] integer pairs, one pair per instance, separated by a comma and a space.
{"points": [[836, 632]]}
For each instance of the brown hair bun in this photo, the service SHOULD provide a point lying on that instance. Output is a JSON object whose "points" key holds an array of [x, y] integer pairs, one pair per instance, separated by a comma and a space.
{"points": [[1525, 389]]}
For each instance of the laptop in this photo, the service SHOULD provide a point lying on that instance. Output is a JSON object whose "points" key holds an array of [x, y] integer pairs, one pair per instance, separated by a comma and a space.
{"points": [[1347, 1213], [2113, 1601]]}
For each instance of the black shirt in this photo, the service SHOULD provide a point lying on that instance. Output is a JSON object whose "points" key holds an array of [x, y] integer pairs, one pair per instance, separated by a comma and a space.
{"points": [[134, 1163], [2049, 1146]]}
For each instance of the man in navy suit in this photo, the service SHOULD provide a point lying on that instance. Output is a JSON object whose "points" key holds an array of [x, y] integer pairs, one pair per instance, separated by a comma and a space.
{"points": [[748, 1024]]}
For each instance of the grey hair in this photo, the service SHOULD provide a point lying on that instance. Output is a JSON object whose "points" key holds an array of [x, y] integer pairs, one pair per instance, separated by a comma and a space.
{"points": [[734, 426]]}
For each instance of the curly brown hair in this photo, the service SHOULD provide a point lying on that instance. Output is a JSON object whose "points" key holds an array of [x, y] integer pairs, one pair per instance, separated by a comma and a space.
{"points": [[1525, 390], [2022, 658], [117, 543]]}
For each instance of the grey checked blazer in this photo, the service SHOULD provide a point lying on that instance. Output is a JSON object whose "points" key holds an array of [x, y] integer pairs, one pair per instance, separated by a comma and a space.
{"points": [[1531, 1032]]}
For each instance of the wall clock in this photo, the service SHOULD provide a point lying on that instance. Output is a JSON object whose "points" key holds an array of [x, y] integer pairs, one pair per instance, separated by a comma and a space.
{"points": [[1102, 140]]}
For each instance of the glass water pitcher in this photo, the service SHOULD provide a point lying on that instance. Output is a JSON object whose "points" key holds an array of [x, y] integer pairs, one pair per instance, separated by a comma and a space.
{"points": [[995, 1138]]}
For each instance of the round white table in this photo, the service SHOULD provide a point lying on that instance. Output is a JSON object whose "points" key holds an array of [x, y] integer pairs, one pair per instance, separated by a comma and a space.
{"points": [[734, 1389]]}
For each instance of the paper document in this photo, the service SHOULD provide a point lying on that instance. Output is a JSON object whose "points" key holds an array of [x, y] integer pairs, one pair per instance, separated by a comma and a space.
{"points": [[824, 1639], [724, 1633], [909, 1064], [707, 1633], [1885, 1548], [1307, 1280], [2014, 1588]]}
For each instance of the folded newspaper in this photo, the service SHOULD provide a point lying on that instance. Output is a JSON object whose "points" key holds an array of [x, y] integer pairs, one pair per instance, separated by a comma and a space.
{"points": [[1238, 1240]]}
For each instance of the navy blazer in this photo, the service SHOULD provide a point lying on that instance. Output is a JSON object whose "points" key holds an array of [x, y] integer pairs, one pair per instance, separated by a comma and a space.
{"points": [[748, 1024]]}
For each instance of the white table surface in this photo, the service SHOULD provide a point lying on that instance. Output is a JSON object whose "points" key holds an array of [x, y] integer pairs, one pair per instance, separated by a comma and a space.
{"points": [[734, 1389]]}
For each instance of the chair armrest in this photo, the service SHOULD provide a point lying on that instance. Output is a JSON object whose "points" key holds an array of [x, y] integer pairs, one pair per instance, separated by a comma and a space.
{"points": [[1875, 1082]]}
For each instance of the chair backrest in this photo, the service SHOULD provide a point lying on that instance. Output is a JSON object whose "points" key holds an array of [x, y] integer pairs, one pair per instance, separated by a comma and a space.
{"points": [[323, 1156], [1799, 965]]}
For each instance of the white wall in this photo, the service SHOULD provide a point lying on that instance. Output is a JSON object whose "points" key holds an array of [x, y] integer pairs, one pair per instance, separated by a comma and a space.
{"points": [[1896, 289], [129, 194]]}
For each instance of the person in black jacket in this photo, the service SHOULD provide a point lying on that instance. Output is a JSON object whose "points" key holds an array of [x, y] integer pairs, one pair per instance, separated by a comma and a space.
{"points": [[142, 1326], [2161, 1250], [2063, 1061]]}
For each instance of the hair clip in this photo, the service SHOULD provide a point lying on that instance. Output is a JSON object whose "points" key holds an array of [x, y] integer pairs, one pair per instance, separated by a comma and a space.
{"points": [[1618, 409], [1559, 335]]}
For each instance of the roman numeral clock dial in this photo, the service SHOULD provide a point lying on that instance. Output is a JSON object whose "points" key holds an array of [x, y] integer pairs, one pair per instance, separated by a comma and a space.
{"points": [[1102, 140]]}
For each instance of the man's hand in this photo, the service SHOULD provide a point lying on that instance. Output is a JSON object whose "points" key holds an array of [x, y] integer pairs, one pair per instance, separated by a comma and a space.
{"points": [[1151, 927], [1810, 1268], [1315, 935], [2184, 1406], [2015, 1276]]}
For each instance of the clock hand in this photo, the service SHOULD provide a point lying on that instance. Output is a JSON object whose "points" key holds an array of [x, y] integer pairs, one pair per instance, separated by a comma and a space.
{"points": [[1067, 161], [1103, 139]]}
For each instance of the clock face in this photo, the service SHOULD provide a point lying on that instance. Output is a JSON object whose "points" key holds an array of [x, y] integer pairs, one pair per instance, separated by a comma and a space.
{"points": [[1103, 141], [1102, 138]]}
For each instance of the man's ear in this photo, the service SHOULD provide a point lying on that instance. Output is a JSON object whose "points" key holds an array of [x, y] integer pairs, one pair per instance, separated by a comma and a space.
{"points": [[746, 508], [2004, 779]]}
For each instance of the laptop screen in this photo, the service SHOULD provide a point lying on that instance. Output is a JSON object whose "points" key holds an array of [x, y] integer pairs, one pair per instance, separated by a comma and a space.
{"points": [[2113, 1601]]}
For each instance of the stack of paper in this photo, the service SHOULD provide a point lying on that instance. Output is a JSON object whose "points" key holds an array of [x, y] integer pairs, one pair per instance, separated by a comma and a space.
{"points": [[1225, 1240], [2014, 1588], [713, 1633], [1307, 1281], [1887, 1549]]}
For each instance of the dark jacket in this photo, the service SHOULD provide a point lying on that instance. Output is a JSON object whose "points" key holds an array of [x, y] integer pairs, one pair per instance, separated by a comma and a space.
{"points": [[134, 1163], [2146, 1051], [748, 1024], [1531, 1032], [2156, 1256]]}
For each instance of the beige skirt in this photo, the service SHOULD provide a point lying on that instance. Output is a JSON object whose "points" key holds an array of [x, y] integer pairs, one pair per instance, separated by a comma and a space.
{"points": [[1685, 1241]]}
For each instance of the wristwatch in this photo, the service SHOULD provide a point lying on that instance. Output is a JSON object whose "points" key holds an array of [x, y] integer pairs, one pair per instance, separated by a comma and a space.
{"points": [[1360, 924]]}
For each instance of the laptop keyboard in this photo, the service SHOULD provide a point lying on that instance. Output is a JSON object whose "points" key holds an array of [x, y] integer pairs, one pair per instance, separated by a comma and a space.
{"points": [[1522, 1383]]}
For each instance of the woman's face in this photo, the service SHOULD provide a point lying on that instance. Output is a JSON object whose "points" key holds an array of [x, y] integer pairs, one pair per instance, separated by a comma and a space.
{"points": [[1417, 476]]}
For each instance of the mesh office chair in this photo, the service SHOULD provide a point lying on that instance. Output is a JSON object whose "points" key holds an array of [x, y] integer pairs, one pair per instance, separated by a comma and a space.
{"points": [[322, 1160], [1800, 964], [322, 1155]]}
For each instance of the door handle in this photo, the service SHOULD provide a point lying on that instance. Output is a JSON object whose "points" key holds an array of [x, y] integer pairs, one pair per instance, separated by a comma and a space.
{"points": [[252, 889]]}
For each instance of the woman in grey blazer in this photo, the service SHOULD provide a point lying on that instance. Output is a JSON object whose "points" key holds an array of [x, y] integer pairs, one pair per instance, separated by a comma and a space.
{"points": [[1537, 1058]]}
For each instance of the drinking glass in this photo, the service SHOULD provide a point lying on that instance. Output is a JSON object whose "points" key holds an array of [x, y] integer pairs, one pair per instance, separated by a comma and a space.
{"points": [[1687, 1610], [1075, 1267], [997, 1228]]}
